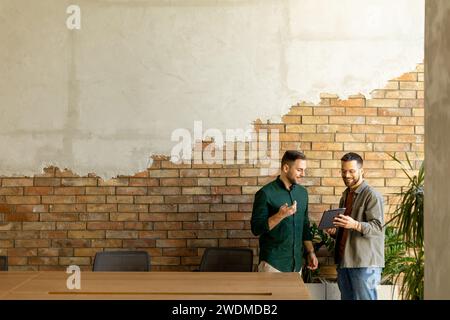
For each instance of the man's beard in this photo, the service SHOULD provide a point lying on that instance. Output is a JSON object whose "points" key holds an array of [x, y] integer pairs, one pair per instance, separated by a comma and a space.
{"points": [[292, 179], [350, 183]]}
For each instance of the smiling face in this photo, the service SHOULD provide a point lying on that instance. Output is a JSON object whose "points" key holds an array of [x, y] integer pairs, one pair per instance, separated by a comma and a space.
{"points": [[351, 173], [295, 172]]}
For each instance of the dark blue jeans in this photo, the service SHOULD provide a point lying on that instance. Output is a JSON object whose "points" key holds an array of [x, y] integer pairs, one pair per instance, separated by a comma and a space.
{"points": [[359, 283]]}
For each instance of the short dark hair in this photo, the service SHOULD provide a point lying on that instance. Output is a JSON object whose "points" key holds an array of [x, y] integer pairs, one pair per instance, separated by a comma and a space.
{"points": [[353, 156], [291, 156]]}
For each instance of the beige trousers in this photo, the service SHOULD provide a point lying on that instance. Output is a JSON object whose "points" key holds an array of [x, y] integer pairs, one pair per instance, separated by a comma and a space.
{"points": [[263, 266]]}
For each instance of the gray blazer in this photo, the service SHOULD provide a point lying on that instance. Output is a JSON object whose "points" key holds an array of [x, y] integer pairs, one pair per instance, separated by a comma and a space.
{"points": [[365, 249]]}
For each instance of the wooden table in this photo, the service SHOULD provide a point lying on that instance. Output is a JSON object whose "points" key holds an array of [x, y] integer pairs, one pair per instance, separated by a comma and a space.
{"points": [[46, 285]]}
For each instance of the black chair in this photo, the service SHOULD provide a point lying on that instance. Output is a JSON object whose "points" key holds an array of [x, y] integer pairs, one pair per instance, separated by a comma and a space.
{"points": [[3, 263], [138, 261], [227, 260]]}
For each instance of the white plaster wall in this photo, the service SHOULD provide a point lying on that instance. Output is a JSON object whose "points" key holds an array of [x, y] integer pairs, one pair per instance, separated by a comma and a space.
{"points": [[104, 98]]}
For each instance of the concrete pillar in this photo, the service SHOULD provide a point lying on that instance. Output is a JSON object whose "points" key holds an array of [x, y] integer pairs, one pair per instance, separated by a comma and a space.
{"points": [[437, 149]]}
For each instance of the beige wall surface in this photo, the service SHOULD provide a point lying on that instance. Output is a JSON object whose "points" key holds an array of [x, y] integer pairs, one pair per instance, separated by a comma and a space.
{"points": [[437, 150], [104, 98]]}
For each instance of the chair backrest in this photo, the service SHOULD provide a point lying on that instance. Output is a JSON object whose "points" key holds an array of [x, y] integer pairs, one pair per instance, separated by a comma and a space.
{"points": [[122, 261], [3, 263], [227, 260]]}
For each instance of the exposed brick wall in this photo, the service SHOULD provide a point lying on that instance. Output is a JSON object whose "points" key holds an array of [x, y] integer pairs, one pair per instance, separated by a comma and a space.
{"points": [[55, 219]]}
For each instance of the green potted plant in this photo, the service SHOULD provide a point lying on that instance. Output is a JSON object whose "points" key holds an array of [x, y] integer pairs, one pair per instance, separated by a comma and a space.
{"points": [[407, 236]]}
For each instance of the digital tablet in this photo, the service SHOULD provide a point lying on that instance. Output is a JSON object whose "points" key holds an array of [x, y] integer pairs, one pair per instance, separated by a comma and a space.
{"points": [[327, 218]]}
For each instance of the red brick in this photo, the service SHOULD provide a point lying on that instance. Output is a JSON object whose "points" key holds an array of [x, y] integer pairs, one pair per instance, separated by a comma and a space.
{"points": [[23, 199], [236, 216], [223, 207], [170, 243], [153, 234], [24, 252], [226, 190], [91, 199], [191, 261], [211, 216], [95, 216], [224, 173], [165, 173], [159, 225], [10, 217], [162, 208], [236, 225], [35, 243], [98, 234], [105, 225], [6, 243], [17, 182], [69, 208], [142, 191], [182, 182], [79, 182], [196, 190], [58, 199], [157, 191], [197, 225], [47, 182], [108, 243], [149, 199], [184, 234], [115, 182], [101, 190], [85, 252], [194, 173], [11, 191], [203, 243], [239, 234], [193, 208], [178, 199], [62, 225], [43, 260], [167, 261], [238, 199], [180, 252], [207, 198], [17, 261], [139, 243], [152, 216], [123, 216], [168, 164], [211, 181], [69, 190], [70, 243], [79, 261], [119, 199], [144, 182], [212, 234], [101, 207], [235, 243], [33, 191], [38, 226]]}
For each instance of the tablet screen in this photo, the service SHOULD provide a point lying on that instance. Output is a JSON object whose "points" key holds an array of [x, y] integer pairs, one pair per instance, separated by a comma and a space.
{"points": [[327, 218]]}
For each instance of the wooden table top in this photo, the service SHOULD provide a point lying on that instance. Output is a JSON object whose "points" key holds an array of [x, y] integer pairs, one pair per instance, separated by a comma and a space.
{"points": [[47, 285]]}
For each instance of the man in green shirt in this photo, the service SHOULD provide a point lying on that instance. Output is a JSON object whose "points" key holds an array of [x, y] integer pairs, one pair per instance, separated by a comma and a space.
{"points": [[280, 219]]}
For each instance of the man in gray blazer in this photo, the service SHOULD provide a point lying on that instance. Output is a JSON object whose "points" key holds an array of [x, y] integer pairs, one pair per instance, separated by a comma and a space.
{"points": [[359, 249]]}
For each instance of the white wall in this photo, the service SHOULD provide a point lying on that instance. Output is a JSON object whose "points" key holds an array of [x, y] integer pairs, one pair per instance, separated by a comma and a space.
{"points": [[104, 98]]}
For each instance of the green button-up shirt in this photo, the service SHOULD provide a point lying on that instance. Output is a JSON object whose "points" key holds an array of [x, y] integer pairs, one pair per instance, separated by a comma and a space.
{"points": [[281, 247]]}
